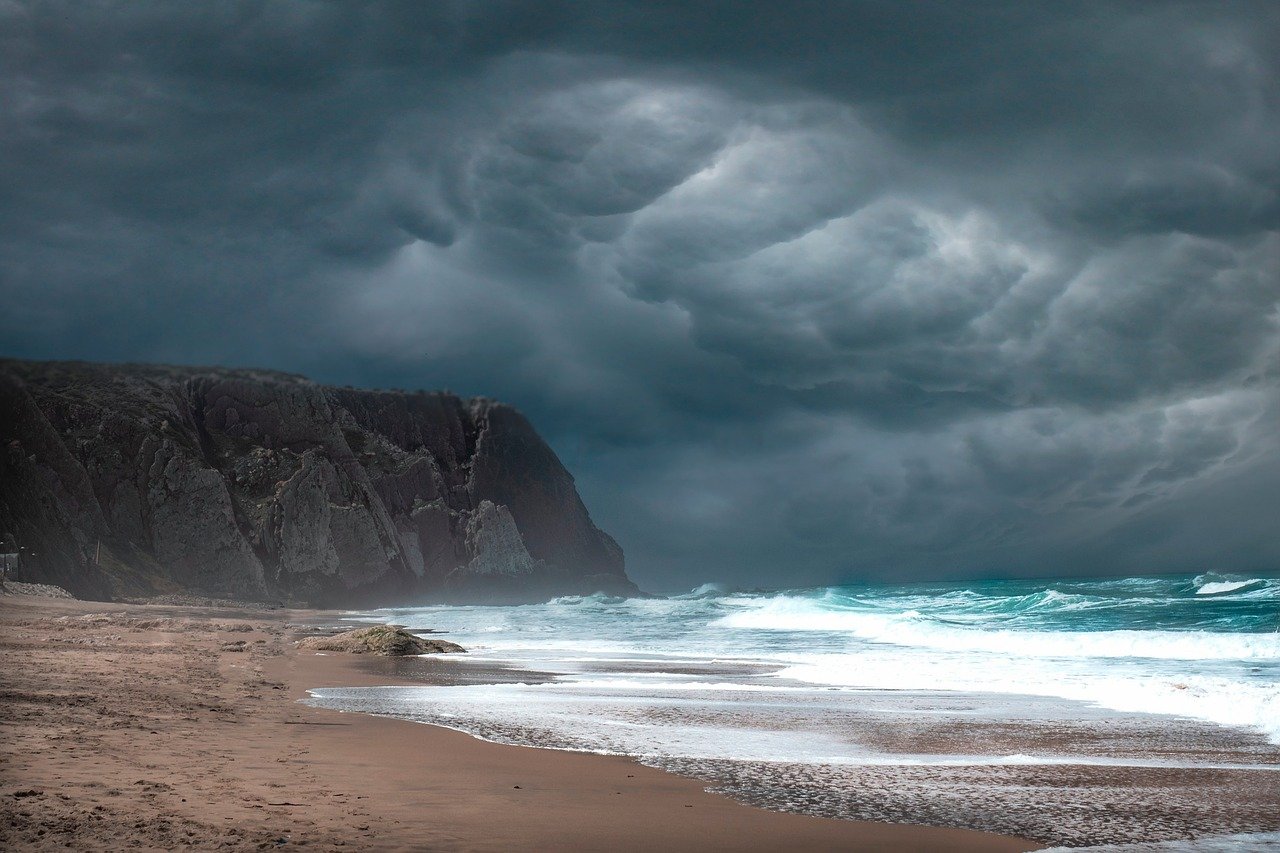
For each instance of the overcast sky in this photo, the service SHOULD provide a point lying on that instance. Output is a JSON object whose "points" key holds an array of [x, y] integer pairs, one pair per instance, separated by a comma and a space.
{"points": [[800, 292]]}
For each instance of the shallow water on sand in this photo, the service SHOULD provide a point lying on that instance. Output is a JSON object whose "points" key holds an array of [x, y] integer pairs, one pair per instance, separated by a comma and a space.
{"points": [[1083, 712]]}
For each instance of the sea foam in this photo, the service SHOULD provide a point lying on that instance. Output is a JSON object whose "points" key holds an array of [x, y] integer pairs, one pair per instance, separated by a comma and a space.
{"points": [[891, 702], [910, 628]]}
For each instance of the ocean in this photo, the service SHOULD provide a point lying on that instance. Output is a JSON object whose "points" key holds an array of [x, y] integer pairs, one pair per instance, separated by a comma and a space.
{"points": [[1075, 712]]}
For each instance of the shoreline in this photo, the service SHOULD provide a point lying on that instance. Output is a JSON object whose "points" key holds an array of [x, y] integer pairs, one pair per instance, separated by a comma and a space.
{"points": [[157, 726], [1101, 778]]}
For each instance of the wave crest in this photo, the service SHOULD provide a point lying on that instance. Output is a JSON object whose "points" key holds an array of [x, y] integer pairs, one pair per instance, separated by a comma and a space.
{"points": [[913, 629]]}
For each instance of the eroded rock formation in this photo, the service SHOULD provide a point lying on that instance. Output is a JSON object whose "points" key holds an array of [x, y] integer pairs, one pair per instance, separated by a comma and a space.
{"points": [[384, 640], [132, 480]]}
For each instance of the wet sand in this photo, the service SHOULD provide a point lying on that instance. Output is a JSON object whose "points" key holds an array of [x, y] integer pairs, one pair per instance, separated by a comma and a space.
{"points": [[1056, 771], [150, 727]]}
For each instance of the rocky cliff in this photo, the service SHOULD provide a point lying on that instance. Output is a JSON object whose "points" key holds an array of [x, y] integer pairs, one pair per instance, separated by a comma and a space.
{"points": [[134, 480]]}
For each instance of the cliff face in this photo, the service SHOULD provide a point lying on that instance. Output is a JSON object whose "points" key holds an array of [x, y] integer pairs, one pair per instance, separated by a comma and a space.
{"points": [[137, 479]]}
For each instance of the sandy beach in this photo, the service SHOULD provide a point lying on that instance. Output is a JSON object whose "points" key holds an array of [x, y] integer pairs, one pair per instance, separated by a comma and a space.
{"points": [[157, 727]]}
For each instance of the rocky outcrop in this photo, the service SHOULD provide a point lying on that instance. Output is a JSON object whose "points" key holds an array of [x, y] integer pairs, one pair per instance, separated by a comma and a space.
{"points": [[385, 640], [137, 480]]}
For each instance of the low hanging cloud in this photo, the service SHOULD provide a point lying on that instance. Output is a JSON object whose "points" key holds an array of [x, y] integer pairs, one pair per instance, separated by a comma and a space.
{"points": [[801, 294]]}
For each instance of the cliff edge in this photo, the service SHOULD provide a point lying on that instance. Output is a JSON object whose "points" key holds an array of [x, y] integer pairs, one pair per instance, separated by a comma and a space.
{"points": [[136, 480]]}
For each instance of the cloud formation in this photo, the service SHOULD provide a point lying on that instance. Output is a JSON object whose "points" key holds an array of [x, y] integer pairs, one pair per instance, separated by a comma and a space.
{"points": [[799, 293]]}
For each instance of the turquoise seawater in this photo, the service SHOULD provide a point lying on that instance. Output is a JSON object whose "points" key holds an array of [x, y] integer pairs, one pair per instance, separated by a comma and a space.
{"points": [[1205, 602]]}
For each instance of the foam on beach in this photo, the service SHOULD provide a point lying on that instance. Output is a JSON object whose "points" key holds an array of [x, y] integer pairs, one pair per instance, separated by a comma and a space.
{"points": [[969, 705]]}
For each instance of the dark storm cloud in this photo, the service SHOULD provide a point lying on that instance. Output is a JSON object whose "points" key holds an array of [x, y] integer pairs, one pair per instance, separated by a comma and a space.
{"points": [[799, 291]]}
